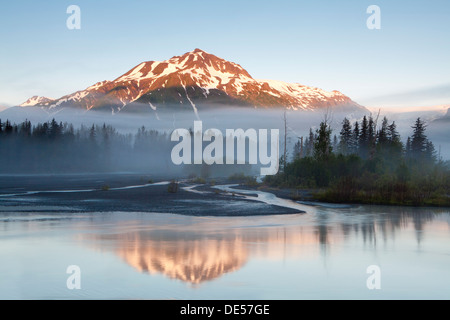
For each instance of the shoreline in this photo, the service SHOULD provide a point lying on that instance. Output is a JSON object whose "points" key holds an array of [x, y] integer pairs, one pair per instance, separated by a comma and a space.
{"points": [[307, 196], [127, 193], [131, 192]]}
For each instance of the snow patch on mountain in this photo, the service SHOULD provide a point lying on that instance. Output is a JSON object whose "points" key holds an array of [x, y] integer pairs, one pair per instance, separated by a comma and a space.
{"points": [[36, 101], [197, 69]]}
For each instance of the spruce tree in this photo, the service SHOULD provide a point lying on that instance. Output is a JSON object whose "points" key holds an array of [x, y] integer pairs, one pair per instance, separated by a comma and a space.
{"points": [[419, 139], [307, 153], [297, 148], [93, 135], [55, 129], [355, 139], [8, 127], [395, 145], [371, 138], [322, 146], [408, 151], [363, 138], [345, 137], [335, 144], [383, 133], [392, 133], [310, 143], [430, 152]]}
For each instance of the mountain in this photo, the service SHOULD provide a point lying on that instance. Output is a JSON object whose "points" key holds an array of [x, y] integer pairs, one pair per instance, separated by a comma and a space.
{"points": [[37, 100], [194, 80], [443, 119]]}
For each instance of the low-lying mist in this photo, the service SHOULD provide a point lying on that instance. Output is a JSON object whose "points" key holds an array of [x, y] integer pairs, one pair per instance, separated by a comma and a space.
{"points": [[80, 141]]}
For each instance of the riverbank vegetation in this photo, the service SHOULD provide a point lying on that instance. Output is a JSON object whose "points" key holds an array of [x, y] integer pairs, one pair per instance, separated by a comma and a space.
{"points": [[367, 164]]}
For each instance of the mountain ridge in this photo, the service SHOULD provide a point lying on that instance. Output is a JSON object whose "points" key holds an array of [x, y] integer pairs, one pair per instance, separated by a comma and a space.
{"points": [[37, 100], [196, 79]]}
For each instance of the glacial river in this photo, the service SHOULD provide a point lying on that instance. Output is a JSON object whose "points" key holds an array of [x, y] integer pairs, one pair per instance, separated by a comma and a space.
{"points": [[326, 253]]}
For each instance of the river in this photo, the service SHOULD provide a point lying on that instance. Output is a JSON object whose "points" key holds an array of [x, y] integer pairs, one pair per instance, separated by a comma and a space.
{"points": [[326, 253]]}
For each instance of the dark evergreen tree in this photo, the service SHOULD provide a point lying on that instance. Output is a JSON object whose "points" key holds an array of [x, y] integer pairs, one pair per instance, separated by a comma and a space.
{"points": [[322, 146], [92, 134], [392, 133], [363, 143], [25, 128], [55, 129], [408, 151], [430, 152], [309, 144], [355, 139], [345, 139], [418, 139], [45, 130], [395, 148], [335, 144], [306, 148], [383, 133], [8, 127], [297, 149], [371, 139]]}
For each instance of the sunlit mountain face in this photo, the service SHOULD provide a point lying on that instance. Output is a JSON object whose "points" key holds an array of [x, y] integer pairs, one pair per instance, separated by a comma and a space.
{"points": [[193, 81], [37, 101]]}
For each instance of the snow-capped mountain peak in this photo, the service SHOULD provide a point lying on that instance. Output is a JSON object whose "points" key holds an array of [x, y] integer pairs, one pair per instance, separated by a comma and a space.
{"points": [[196, 78], [37, 100], [193, 68]]}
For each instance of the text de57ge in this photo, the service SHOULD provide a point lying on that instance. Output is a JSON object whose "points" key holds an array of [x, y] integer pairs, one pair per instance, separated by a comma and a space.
{"points": [[235, 309]]}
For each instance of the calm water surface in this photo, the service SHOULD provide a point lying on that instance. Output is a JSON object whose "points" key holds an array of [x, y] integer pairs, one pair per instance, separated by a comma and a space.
{"points": [[322, 254]]}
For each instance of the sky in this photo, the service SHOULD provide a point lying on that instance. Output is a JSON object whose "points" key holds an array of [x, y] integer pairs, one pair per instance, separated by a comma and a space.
{"points": [[324, 44]]}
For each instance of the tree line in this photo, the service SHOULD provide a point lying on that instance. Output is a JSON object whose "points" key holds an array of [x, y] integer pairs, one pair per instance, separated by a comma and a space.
{"points": [[368, 164], [56, 147]]}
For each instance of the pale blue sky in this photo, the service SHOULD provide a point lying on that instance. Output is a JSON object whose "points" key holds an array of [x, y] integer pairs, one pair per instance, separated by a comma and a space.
{"points": [[319, 43]]}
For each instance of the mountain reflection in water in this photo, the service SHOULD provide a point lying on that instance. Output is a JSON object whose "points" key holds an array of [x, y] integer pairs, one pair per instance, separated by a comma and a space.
{"points": [[199, 249]]}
